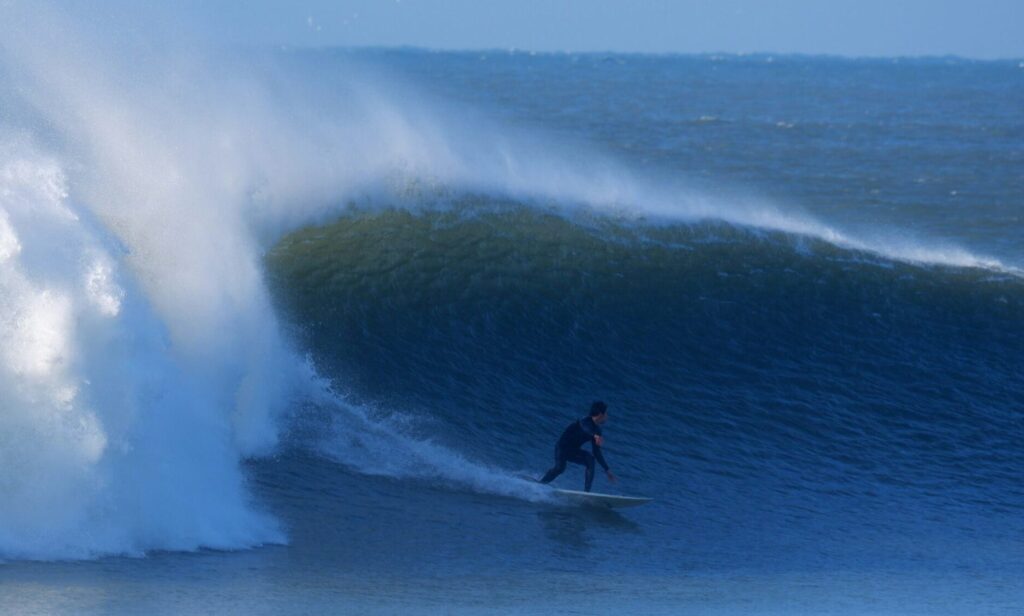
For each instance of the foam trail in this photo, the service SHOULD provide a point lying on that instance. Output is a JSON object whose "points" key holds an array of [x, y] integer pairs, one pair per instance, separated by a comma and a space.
{"points": [[387, 445]]}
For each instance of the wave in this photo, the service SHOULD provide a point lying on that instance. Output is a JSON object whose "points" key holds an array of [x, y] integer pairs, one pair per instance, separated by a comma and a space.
{"points": [[482, 265], [141, 183], [726, 352]]}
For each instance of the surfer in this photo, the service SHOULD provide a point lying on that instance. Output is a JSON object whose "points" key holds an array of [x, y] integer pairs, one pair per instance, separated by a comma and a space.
{"points": [[567, 449]]}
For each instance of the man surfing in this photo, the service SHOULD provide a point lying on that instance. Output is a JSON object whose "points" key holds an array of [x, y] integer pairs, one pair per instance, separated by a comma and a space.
{"points": [[580, 432]]}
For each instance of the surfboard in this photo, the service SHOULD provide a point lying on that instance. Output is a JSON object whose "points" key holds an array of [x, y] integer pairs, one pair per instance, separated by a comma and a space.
{"points": [[596, 499]]}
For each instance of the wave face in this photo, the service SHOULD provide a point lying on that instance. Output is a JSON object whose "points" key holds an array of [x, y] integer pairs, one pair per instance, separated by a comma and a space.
{"points": [[209, 257], [823, 378]]}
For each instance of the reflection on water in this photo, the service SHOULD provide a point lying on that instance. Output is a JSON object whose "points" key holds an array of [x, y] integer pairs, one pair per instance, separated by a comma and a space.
{"points": [[576, 528]]}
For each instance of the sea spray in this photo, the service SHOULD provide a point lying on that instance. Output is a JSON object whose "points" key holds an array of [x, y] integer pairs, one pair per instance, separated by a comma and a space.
{"points": [[110, 443]]}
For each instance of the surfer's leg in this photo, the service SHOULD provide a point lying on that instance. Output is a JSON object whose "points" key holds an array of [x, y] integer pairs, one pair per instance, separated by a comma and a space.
{"points": [[584, 458], [555, 470], [590, 472]]}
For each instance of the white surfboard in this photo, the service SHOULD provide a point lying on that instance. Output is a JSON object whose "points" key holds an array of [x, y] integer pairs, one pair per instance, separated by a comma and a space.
{"points": [[595, 499]]}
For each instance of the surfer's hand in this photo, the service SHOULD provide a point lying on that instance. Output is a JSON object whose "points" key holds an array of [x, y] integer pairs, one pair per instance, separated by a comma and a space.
{"points": [[598, 440], [611, 477]]}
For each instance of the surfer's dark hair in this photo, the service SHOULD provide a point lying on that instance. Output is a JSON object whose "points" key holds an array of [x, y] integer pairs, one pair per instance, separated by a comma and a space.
{"points": [[598, 408]]}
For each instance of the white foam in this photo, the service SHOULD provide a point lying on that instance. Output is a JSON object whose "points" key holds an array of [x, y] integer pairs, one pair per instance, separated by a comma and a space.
{"points": [[109, 445]]}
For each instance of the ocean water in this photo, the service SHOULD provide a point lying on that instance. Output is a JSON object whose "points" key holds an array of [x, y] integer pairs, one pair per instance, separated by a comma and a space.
{"points": [[280, 330]]}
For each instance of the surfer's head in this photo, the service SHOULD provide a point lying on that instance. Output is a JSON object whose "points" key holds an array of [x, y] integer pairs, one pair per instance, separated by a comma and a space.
{"points": [[599, 411]]}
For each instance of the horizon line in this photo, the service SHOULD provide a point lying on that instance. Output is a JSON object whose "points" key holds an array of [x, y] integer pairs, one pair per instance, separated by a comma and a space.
{"points": [[666, 54]]}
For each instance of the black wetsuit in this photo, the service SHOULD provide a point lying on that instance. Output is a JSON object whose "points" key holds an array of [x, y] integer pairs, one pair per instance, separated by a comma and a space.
{"points": [[567, 449]]}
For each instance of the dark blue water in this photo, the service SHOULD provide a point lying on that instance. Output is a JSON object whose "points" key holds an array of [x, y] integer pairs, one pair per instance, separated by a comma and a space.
{"points": [[815, 370]]}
